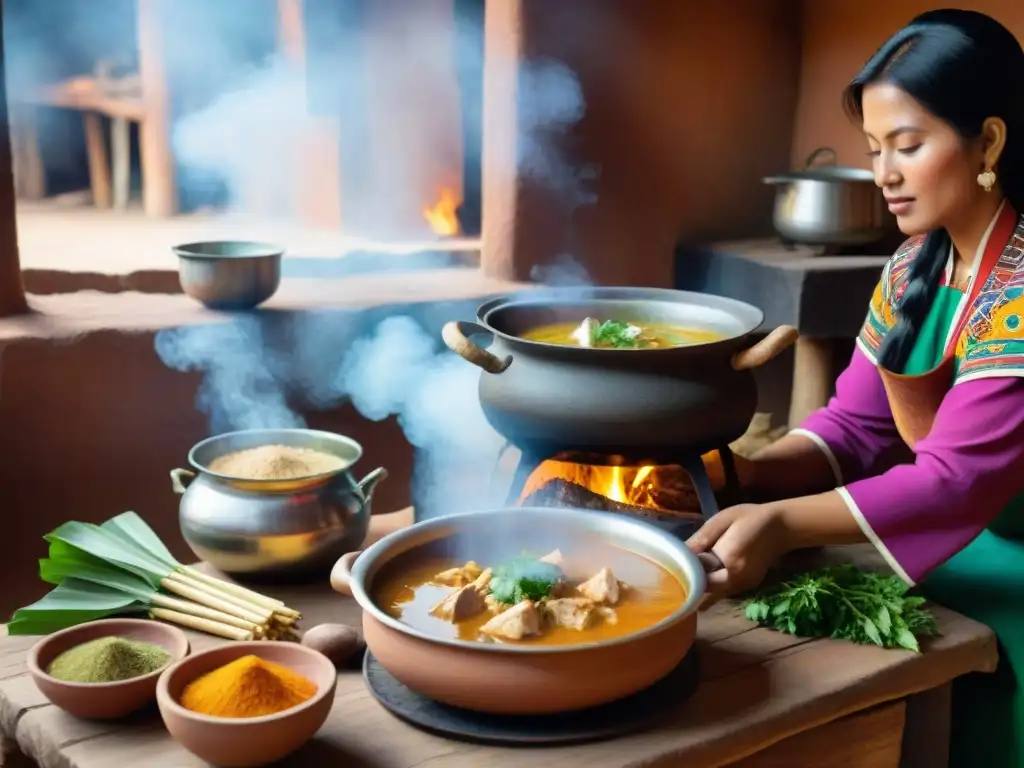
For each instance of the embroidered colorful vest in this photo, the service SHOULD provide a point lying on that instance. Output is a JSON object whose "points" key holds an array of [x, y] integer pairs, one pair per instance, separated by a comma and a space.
{"points": [[992, 342]]}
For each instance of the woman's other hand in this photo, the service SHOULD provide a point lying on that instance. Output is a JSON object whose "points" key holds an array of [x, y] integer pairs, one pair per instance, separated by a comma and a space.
{"points": [[747, 539]]}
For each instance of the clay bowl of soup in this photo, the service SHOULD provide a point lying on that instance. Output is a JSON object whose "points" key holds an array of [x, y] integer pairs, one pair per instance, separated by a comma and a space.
{"points": [[526, 611], [617, 370]]}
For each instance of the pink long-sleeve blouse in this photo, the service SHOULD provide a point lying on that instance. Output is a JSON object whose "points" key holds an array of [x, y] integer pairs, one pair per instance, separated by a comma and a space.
{"points": [[965, 471]]}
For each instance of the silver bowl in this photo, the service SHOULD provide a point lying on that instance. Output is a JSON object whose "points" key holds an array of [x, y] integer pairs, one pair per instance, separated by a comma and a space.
{"points": [[229, 274], [274, 528]]}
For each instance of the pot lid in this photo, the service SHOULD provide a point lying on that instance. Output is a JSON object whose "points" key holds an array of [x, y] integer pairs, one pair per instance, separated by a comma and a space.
{"points": [[829, 174]]}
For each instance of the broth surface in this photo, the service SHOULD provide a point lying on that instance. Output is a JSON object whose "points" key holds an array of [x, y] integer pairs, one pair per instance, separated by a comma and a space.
{"points": [[409, 592], [653, 335]]}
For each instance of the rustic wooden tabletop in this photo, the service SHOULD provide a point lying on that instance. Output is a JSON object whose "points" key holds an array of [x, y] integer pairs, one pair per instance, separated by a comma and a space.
{"points": [[758, 687]]}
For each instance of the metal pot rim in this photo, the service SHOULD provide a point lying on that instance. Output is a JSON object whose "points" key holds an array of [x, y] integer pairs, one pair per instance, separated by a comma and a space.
{"points": [[619, 529], [750, 316], [278, 437], [829, 175], [228, 250]]}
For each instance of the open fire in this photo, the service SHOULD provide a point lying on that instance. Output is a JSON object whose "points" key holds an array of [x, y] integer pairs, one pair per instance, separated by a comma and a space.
{"points": [[441, 216], [648, 490]]}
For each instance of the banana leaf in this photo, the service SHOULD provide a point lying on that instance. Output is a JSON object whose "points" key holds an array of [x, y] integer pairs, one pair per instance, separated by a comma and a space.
{"points": [[112, 548], [71, 558], [73, 602], [131, 528], [58, 571]]}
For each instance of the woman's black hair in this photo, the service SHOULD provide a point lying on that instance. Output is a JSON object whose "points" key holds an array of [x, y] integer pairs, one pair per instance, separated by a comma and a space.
{"points": [[963, 67]]}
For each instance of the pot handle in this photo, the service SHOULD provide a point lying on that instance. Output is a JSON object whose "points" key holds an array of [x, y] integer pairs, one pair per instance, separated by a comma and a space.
{"points": [[369, 483], [710, 562], [455, 335], [779, 340], [818, 153], [181, 479], [341, 574]]}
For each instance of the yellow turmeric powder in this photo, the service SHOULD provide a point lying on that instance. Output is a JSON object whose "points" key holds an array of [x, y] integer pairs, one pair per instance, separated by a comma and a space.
{"points": [[247, 687]]}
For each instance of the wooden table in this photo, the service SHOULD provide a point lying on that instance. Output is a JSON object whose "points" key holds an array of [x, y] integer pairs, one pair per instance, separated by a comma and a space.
{"points": [[766, 699]]}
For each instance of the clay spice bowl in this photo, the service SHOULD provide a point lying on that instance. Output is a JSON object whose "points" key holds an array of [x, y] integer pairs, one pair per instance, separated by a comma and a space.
{"points": [[104, 701], [244, 742]]}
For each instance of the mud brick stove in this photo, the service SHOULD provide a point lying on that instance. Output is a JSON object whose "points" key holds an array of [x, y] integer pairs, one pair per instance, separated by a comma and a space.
{"points": [[618, 429]]}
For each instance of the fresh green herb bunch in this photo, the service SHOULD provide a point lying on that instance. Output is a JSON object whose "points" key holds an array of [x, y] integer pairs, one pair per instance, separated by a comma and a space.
{"points": [[846, 603], [524, 578], [618, 334]]}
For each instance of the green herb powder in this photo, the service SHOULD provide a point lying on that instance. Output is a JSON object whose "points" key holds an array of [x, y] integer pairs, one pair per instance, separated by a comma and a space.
{"points": [[107, 660]]}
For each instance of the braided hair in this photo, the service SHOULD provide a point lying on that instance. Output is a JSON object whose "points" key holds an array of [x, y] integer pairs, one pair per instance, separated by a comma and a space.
{"points": [[964, 67]]}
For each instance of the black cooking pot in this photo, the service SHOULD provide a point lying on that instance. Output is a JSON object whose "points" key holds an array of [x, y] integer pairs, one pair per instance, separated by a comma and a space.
{"points": [[551, 398]]}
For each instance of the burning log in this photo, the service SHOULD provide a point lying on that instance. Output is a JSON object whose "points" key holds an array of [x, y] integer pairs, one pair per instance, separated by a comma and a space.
{"points": [[559, 492], [663, 490], [563, 493]]}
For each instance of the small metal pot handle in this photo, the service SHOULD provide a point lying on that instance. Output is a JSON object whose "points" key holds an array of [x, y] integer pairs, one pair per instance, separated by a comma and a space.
{"points": [[710, 562], [181, 479], [341, 574], [455, 335], [779, 340], [816, 155], [369, 483]]}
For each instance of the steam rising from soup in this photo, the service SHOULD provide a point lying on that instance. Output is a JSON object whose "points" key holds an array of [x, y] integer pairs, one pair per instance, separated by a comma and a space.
{"points": [[619, 334]]}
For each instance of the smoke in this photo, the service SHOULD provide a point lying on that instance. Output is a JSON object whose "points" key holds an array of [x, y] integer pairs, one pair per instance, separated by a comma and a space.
{"points": [[248, 137], [259, 370], [252, 135], [253, 367], [245, 379], [398, 370]]}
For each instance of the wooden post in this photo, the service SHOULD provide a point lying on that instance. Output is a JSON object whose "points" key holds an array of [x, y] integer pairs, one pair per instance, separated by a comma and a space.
{"points": [[12, 290], [291, 33], [121, 149], [315, 181], [159, 195], [29, 172], [812, 378], [500, 192], [99, 163]]}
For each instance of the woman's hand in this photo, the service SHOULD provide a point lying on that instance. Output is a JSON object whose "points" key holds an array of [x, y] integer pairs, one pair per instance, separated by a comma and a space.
{"points": [[748, 539]]}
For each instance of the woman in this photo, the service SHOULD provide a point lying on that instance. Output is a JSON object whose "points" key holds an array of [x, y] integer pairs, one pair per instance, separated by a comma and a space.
{"points": [[938, 367]]}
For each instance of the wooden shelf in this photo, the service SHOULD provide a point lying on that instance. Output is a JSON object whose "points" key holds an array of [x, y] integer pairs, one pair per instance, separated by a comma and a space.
{"points": [[84, 94]]}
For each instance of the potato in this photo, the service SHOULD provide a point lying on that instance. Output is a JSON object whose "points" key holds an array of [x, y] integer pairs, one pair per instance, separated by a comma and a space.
{"points": [[338, 642]]}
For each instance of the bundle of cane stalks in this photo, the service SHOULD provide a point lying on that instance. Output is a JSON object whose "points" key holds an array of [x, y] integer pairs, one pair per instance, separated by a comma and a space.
{"points": [[121, 567]]}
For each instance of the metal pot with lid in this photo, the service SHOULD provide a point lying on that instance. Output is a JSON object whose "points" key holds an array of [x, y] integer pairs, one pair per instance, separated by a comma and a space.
{"points": [[829, 204]]}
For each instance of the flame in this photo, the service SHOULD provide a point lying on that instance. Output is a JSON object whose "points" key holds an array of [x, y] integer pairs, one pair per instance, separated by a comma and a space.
{"points": [[441, 215], [662, 488]]}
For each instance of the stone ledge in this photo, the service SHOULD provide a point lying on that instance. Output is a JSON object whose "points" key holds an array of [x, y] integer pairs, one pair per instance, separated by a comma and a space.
{"points": [[69, 315], [410, 258]]}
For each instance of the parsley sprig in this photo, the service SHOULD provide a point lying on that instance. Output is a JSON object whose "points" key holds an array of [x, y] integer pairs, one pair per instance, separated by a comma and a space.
{"points": [[617, 334], [524, 578], [846, 603]]}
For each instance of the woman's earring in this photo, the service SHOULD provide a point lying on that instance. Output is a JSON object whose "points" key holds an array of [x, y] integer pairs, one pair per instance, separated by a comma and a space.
{"points": [[987, 180]]}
